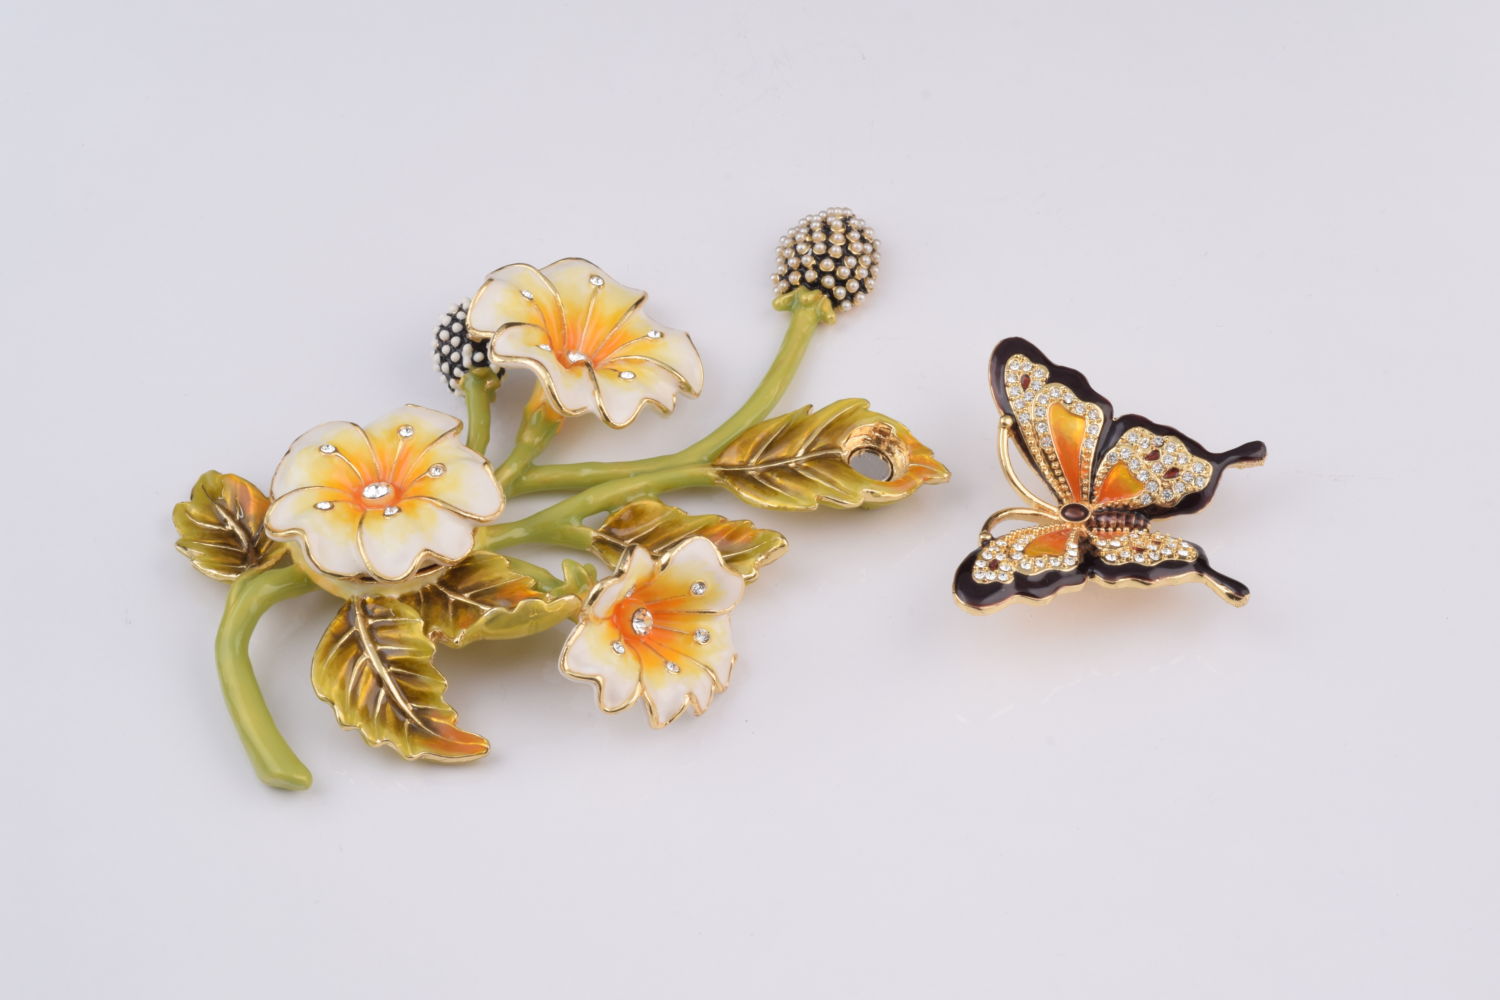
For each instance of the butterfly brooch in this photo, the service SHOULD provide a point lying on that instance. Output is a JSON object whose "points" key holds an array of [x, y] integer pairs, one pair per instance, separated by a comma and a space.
{"points": [[1112, 478]]}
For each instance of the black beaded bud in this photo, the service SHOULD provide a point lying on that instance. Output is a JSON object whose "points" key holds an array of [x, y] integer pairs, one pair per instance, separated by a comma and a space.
{"points": [[454, 354], [834, 252]]}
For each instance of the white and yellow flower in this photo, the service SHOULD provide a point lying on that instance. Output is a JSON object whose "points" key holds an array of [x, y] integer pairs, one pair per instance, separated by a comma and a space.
{"points": [[658, 629], [586, 338], [377, 507]]}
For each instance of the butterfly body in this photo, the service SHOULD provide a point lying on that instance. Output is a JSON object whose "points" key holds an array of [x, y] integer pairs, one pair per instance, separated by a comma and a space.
{"points": [[1112, 478]]}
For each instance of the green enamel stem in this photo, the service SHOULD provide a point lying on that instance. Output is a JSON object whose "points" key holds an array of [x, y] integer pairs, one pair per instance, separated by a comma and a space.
{"points": [[538, 426], [250, 597], [541, 576], [808, 309], [479, 394], [559, 523]]}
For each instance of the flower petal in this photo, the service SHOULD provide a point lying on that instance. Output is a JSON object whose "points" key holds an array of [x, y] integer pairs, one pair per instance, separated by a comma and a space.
{"points": [[639, 337], [307, 464], [456, 477], [694, 565], [704, 640], [329, 537], [593, 304], [516, 293], [399, 457], [395, 546], [589, 655], [570, 386], [626, 385], [672, 685], [635, 568]]}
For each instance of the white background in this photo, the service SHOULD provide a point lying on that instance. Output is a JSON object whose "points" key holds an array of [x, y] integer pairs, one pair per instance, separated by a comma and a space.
{"points": [[1277, 220]]}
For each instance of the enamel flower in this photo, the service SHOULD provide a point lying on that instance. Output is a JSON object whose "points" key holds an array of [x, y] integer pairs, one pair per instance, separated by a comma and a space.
{"points": [[585, 337], [378, 506], [658, 630]]}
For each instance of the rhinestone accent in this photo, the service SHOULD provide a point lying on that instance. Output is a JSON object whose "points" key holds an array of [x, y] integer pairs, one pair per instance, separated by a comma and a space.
{"points": [[672, 668], [654, 334], [617, 646], [406, 430], [391, 511], [327, 449], [575, 357], [324, 505], [641, 622], [375, 491], [698, 588], [527, 295], [626, 376], [701, 636], [596, 281], [436, 469]]}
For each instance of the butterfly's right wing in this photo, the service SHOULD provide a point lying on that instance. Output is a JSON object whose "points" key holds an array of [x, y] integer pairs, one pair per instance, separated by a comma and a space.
{"points": [[1146, 556]]}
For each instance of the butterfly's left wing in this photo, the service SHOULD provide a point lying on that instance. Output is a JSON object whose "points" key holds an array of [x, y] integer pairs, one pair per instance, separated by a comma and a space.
{"points": [[1059, 418], [1033, 564]]}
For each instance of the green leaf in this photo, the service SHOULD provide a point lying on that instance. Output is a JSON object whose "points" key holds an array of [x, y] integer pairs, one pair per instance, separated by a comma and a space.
{"points": [[659, 527], [221, 527], [374, 665], [802, 459], [483, 597]]}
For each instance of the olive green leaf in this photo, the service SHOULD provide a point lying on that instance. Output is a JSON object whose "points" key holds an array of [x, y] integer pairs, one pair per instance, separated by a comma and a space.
{"points": [[374, 665], [484, 597], [802, 459], [659, 526], [221, 527]]}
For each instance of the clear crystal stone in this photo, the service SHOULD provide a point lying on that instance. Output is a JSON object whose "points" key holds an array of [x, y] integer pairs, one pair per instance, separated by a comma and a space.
{"points": [[391, 511], [617, 646], [654, 334], [701, 636], [374, 491], [672, 668], [576, 356], [698, 588], [596, 281], [641, 622], [527, 295], [626, 376], [436, 469], [327, 449], [324, 505], [406, 430]]}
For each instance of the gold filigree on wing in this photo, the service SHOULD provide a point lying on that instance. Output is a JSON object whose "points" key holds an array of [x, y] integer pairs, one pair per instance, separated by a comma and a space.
{"points": [[374, 665], [1144, 469], [659, 527], [221, 527], [805, 458]]}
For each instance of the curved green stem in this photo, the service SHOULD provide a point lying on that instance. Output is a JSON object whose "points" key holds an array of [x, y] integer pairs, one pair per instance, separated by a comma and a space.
{"points": [[250, 597], [538, 426], [560, 524], [808, 310], [479, 388]]}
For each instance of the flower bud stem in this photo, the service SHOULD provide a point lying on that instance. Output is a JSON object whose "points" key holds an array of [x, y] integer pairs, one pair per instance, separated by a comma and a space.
{"points": [[538, 425], [479, 388], [808, 310], [250, 597]]}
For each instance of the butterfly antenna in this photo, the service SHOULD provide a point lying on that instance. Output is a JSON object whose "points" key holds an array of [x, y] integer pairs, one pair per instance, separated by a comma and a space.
{"points": [[1002, 444]]}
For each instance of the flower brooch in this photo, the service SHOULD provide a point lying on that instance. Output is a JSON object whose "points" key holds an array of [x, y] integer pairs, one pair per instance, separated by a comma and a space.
{"points": [[400, 520]]}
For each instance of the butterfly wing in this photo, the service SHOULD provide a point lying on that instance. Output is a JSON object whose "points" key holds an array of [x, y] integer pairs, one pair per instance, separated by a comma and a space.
{"points": [[1146, 556], [1031, 563], [1059, 418], [1160, 471]]}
